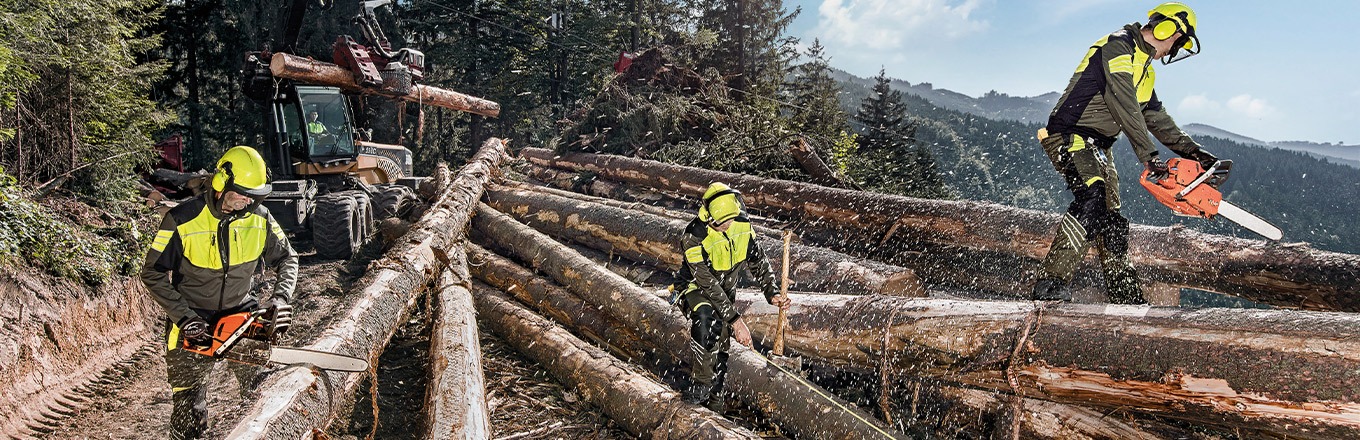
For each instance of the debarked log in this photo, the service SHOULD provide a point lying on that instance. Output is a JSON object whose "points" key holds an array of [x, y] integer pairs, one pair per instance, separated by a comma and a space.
{"points": [[1285, 372], [898, 226], [801, 408], [297, 400], [455, 401], [311, 71], [655, 240], [637, 403]]}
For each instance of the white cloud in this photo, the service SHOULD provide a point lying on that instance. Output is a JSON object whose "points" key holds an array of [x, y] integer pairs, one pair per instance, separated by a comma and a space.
{"points": [[1242, 106], [1255, 108], [892, 24]]}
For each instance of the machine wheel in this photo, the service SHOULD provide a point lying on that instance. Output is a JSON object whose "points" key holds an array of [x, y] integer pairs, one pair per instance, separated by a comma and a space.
{"points": [[363, 205], [393, 201], [335, 227]]}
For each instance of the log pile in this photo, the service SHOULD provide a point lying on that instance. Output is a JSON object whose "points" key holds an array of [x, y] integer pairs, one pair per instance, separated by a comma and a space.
{"points": [[949, 368], [993, 247], [298, 400]]}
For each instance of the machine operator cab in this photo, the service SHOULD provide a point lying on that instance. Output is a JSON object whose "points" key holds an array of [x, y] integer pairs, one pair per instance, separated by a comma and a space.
{"points": [[317, 125]]}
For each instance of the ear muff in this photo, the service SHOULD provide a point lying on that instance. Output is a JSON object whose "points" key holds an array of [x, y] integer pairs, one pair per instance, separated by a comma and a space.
{"points": [[1166, 28]]}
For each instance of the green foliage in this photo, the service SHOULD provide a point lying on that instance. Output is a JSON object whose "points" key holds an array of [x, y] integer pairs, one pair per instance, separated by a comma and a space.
{"points": [[889, 158], [33, 234], [78, 103], [816, 109]]}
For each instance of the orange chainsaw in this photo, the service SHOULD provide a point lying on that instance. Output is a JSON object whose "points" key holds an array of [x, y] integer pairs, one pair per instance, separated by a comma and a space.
{"points": [[247, 337], [1192, 191]]}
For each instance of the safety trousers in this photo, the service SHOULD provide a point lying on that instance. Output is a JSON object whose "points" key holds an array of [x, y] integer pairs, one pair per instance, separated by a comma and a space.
{"points": [[1092, 219], [188, 376], [710, 339]]}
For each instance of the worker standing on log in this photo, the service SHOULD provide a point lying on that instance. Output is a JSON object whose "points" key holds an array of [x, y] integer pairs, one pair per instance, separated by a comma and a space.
{"points": [[1112, 92], [201, 266], [718, 245]]}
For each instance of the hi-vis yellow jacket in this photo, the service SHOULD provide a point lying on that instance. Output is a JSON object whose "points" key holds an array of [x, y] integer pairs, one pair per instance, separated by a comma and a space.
{"points": [[1112, 91], [714, 261], [203, 260]]}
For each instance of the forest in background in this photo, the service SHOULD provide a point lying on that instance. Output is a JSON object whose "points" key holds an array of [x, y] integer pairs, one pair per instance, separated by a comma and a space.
{"points": [[92, 85]]}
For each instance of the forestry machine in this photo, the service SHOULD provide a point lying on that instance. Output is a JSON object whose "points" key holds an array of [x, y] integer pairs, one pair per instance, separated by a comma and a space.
{"points": [[330, 178]]}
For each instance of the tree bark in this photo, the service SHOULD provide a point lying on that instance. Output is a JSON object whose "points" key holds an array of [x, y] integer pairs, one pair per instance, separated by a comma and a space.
{"points": [[607, 189], [294, 402], [455, 401], [943, 409], [985, 245], [654, 240], [1284, 372], [556, 303], [801, 408], [311, 71], [813, 164], [638, 404]]}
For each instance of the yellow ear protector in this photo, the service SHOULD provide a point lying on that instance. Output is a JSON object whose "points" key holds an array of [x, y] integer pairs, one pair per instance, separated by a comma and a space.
{"points": [[1168, 26]]}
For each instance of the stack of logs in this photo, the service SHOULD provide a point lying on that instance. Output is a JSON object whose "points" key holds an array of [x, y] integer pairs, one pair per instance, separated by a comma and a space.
{"points": [[887, 316]]}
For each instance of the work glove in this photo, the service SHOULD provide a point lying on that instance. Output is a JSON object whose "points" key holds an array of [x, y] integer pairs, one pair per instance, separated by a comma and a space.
{"points": [[1205, 158], [1156, 169], [195, 330], [281, 314]]}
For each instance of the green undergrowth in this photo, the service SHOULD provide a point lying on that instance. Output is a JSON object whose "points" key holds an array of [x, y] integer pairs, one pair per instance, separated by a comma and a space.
{"points": [[91, 251]]}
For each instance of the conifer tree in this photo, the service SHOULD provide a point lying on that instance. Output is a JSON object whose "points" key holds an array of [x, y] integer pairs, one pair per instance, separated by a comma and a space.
{"points": [[889, 158], [816, 98]]}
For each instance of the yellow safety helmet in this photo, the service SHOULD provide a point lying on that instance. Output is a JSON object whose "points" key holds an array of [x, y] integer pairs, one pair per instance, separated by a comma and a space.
{"points": [[1168, 18], [241, 169], [721, 203]]}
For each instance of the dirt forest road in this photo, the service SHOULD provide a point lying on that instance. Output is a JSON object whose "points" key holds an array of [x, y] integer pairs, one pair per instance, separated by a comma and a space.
{"points": [[132, 400]]}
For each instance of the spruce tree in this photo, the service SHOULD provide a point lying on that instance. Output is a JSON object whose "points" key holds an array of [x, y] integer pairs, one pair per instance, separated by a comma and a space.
{"points": [[888, 158], [816, 99]]}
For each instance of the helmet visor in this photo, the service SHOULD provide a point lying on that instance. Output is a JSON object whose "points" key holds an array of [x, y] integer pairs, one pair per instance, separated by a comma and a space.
{"points": [[1186, 47], [254, 193]]}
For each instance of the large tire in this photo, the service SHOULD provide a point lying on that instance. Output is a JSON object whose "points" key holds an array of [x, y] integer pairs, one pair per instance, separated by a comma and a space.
{"points": [[334, 227], [363, 205], [393, 201]]}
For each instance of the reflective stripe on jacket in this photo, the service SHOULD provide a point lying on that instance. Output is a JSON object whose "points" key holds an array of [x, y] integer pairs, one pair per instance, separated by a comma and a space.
{"points": [[1112, 92], [714, 261], [204, 260]]}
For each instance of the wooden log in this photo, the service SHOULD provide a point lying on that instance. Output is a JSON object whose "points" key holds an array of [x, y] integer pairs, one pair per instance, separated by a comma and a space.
{"points": [[549, 299], [638, 404], [654, 240], [298, 400], [802, 408], [1285, 372], [455, 398], [807, 157], [311, 71], [944, 409], [984, 243], [585, 183]]}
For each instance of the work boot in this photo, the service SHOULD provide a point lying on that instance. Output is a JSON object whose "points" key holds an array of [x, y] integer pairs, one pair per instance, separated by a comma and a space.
{"points": [[1050, 289], [698, 393], [717, 403]]}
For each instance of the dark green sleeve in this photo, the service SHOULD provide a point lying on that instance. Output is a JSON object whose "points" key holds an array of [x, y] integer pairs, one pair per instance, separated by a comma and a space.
{"points": [[161, 259], [1121, 97], [1161, 125], [761, 269], [279, 254]]}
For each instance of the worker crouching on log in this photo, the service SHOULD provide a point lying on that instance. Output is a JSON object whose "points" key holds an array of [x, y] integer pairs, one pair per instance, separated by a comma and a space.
{"points": [[201, 266], [718, 246], [1111, 92]]}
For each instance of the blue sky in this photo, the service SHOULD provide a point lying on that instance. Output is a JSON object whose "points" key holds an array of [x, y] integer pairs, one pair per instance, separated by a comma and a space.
{"points": [[1271, 70]]}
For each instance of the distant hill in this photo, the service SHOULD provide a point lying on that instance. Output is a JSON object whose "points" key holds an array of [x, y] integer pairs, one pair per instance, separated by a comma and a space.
{"points": [[998, 160], [1035, 109], [1339, 154]]}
